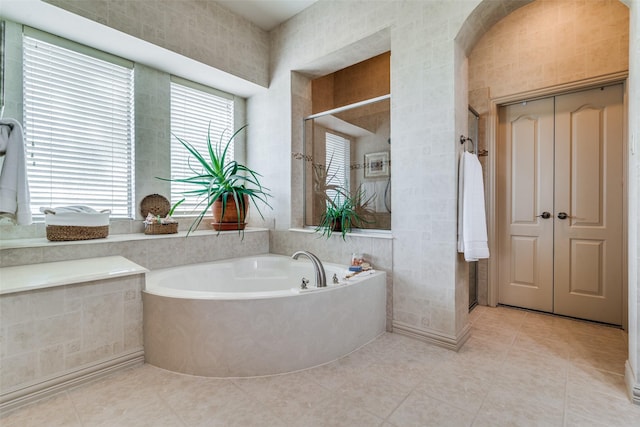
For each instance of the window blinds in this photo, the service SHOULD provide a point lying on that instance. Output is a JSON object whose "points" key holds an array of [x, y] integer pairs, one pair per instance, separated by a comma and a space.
{"points": [[78, 123], [193, 109], [338, 157]]}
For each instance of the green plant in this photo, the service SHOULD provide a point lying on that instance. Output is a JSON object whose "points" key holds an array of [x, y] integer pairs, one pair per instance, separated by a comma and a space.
{"points": [[215, 178], [344, 212]]}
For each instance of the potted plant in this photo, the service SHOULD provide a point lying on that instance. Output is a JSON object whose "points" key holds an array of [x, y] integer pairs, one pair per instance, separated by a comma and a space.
{"points": [[344, 212], [225, 186]]}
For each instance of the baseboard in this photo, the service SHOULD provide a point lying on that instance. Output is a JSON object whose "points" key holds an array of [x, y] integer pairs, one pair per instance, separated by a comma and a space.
{"points": [[442, 340], [15, 398], [633, 386]]}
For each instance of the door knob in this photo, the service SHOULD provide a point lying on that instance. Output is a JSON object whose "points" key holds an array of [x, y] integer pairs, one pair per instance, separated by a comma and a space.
{"points": [[544, 215], [563, 215]]}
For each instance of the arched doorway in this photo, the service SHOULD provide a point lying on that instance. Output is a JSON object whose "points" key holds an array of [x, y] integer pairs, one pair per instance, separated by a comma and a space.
{"points": [[488, 16]]}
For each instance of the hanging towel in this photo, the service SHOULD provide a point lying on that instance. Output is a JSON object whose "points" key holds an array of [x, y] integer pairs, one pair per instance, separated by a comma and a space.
{"points": [[472, 224], [375, 192], [14, 188]]}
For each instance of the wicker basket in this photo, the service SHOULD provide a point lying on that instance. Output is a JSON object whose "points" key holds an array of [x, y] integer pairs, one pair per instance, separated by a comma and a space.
{"points": [[156, 205], [170, 228], [62, 233]]}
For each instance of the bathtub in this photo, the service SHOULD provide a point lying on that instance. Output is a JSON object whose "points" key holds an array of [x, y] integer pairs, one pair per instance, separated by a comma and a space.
{"points": [[248, 316]]}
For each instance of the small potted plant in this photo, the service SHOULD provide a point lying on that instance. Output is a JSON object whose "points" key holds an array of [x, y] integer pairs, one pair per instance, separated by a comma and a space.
{"points": [[224, 186], [344, 212]]}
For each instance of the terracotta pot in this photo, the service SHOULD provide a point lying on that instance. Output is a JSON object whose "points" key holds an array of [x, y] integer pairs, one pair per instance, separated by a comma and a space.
{"points": [[230, 219]]}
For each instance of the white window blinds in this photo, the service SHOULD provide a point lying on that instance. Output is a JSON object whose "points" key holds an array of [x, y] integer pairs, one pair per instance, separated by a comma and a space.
{"points": [[78, 123], [338, 157], [193, 109]]}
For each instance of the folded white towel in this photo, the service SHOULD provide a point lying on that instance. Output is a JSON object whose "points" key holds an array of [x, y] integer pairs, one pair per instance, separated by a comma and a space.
{"points": [[472, 224], [79, 216], [14, 188]]}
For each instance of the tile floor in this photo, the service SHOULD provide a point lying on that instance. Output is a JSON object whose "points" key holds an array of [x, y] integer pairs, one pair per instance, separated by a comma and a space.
{"points": [[518, 369]]}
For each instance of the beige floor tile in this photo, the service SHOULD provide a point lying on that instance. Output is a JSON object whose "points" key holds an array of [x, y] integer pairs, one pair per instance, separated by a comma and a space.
{"points": [[518, 368], [596, 341], [600, 358], [335, 374], [408, 372], [289, 397], [519, 362], [390, 347], [422, 410], [377, 394], [480, 352], [602, 408], [581, 377], [464, 387], [55, 411], [112, 397], [572, 419], [339, 412], [203, 401], [559, 348], [493, 334], [538, 389], [154, 414], [509, 407]]}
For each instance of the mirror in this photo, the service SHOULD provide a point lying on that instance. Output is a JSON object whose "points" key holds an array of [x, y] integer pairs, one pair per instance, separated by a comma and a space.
{"points": [[347, 154]]}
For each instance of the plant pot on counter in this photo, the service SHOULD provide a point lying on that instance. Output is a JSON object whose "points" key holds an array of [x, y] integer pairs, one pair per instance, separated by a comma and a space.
{"points": [[234, 216]]}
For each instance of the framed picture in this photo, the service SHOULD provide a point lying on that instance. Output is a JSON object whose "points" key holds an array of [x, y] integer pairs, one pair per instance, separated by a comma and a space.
{"points": [[376, 164]]}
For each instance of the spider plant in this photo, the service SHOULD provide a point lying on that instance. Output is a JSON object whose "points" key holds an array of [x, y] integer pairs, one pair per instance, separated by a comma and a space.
{"points": [[218, 180], [344, 212]]}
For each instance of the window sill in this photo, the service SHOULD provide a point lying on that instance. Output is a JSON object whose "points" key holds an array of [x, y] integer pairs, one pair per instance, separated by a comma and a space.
{"points": [[112, 238], [377, 234]]}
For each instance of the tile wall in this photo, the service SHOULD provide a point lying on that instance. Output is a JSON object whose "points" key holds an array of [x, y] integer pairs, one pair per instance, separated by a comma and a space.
{"points": [[152, 252], [378, 251], [50, 332], [202, 30], [331, 35]]}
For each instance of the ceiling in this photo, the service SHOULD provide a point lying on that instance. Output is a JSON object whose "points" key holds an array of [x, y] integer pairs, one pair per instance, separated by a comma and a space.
{"points": [[266, 14]]}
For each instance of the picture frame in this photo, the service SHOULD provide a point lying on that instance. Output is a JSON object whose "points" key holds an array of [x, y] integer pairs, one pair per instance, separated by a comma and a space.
{"points": [[376, 165]]}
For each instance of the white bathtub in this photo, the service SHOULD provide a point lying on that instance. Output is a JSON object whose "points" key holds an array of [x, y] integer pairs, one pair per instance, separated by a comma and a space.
{"points": [[247, 316]]}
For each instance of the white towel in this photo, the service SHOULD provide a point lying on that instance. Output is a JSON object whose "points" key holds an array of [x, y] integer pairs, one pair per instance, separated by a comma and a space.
{"points": [[472, 224], [375, 191], [14, 188]]}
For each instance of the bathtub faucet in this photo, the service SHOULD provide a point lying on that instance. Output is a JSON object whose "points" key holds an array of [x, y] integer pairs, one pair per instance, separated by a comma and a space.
{"points": [[321, 277]]}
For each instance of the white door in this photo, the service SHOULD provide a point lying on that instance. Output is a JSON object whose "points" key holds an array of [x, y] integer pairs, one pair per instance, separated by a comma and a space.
{"points": [[525, 205], [588, 189], [560, 204]]}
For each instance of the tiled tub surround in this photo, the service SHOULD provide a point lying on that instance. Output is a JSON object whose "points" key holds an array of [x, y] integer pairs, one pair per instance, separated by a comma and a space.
{"points": [[67, 322], [245, 317], [377, 249], [152, 252], [48, 333]]}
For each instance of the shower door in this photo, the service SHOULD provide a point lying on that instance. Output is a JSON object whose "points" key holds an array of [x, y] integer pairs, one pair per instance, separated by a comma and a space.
{"points": [[560, 204]]}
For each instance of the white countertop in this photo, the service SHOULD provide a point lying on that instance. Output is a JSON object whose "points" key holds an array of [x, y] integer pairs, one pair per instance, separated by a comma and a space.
{"points": [[49, 274]]}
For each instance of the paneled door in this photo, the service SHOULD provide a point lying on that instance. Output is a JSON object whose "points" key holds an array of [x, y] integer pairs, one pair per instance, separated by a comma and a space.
{"points": [[559, 194]]}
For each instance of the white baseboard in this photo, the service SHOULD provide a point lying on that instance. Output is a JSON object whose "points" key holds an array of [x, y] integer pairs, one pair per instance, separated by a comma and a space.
{"points": [[23, 395], [633, 386], [447, 341]]}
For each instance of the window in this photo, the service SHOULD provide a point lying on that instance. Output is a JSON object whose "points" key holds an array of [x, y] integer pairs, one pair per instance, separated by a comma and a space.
{"points": [[338, 157], [193, 109], [78, 126]]}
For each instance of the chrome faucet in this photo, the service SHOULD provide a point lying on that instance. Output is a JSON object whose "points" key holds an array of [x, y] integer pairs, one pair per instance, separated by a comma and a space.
{"points": [[321, 277]]}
